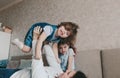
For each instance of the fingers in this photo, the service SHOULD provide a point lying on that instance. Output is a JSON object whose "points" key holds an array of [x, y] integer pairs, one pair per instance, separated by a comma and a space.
{"points": [[40, 30], [36, 32]]}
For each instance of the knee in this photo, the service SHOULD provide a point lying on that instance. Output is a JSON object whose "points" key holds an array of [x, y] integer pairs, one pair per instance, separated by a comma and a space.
{"points": [[26, 50]]}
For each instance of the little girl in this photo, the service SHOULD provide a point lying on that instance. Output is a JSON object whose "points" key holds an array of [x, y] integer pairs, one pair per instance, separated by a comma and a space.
{"points": [[50, 33], [66, 55]]}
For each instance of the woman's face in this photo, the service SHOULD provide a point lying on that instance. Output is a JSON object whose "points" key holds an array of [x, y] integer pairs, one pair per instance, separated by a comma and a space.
{"points": [[63, 48], [62, 32]]}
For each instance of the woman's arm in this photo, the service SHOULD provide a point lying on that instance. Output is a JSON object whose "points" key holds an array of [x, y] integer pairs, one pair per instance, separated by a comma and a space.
{"points": [[42, 37], [55, 50]]}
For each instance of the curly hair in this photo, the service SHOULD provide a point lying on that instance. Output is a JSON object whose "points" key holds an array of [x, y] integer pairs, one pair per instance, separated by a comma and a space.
{"points": [[72, 27]]}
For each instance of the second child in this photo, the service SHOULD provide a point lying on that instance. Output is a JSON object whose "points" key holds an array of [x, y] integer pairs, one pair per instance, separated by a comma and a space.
{"points": [[66, 55], [50, 33]]}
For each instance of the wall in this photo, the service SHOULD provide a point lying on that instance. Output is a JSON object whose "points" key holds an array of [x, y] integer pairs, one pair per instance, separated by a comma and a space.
{"points": [[99, 20]]}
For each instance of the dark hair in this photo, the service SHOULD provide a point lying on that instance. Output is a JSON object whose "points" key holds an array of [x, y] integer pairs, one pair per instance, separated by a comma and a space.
{"points": [[72, 27], [79, 74], [66, 41]]}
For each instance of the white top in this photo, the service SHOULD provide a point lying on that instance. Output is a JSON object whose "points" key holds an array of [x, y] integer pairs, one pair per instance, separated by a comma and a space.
{"points": [[50, 72]]}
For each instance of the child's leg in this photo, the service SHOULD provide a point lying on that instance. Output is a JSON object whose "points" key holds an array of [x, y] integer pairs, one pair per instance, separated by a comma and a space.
{"points": [[18, 43], [21, 45], [27, 45]]}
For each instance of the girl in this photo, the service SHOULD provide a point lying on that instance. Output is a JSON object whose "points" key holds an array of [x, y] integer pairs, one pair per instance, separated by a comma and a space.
{"points": [[66, 55], [50, 33]]}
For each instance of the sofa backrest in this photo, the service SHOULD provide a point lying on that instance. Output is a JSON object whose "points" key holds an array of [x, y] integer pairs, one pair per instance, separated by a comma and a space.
{"points": [[89, 61], [111, 63]]}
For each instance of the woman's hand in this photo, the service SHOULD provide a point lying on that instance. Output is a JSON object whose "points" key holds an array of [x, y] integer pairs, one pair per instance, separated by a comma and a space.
{"points": [[36, 32]]}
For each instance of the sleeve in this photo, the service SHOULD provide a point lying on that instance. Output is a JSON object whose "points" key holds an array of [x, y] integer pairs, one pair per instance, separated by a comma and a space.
{"points": [[71, 52], [33, 48], [24, 73], [48, 30]]}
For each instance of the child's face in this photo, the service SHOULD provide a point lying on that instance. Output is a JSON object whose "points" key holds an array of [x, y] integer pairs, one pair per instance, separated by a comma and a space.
{"points": [[63, 48], [62, 32]]}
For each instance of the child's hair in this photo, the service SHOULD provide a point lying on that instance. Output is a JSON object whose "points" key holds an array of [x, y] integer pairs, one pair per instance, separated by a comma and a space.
{"points": [[72, 27], [79, 74], [66, 41]]}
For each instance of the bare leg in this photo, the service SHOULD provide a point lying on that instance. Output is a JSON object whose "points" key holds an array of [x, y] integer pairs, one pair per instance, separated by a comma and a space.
{"points": [[24, 47], [18, 43], [21, 45]]}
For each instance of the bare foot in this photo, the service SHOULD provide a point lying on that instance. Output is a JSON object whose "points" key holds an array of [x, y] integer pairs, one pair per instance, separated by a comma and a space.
{"points": [[36, 32]]}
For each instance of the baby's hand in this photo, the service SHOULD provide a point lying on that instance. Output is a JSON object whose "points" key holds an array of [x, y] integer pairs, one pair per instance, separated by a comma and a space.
{"points": [[36, 32]]}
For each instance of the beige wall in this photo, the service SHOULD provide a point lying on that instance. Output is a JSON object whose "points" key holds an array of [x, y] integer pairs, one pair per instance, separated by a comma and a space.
{"points": [[99, 20]]}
